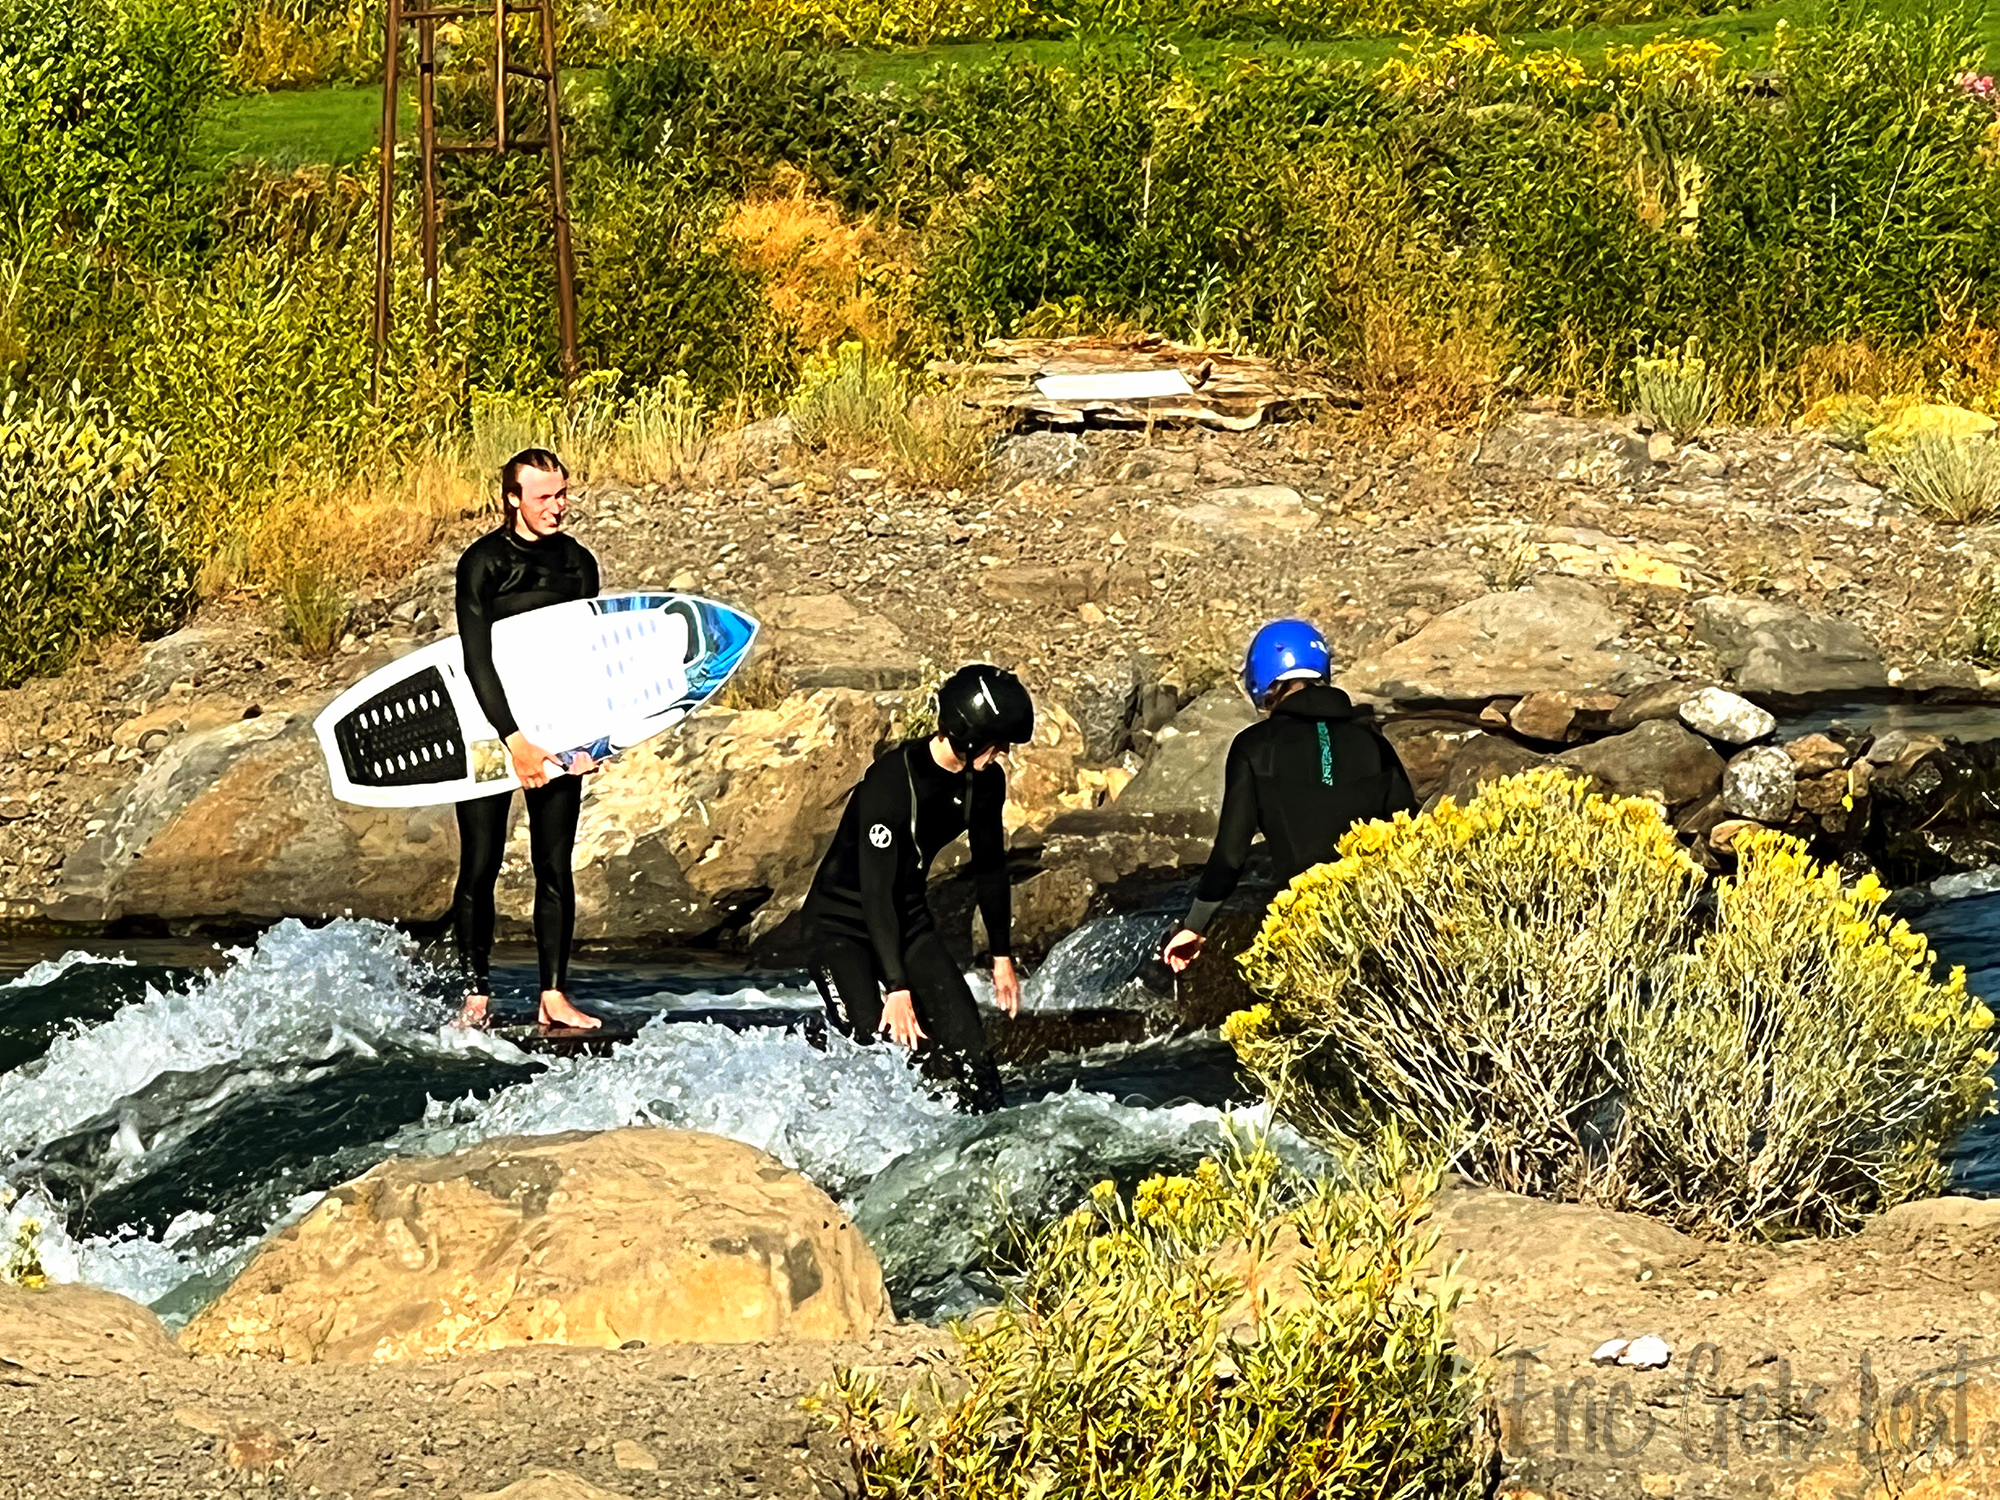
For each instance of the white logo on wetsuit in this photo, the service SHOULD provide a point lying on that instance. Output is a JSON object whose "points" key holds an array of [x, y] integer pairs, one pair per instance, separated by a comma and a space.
{"points": [[879, 835]]}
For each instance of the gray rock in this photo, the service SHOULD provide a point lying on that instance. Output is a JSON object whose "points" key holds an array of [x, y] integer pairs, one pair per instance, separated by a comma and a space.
{"points": [[823, 641], [1723, 715], [1760, 783], [1047, 456], [1662, 700], [1184, 772], [1549, 638], [1660, 758], [1103, 705], [1783, 650], [1482, 759], [1249, 512]]}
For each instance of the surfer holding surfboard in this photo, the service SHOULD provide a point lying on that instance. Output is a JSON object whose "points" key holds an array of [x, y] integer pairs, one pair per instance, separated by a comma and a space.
{"points": [[867, 923], [527, 563]]}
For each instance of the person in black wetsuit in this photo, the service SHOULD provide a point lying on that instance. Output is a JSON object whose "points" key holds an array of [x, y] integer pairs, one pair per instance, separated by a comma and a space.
{"points": [[1302, 777], [866, 920], [528, 562]]}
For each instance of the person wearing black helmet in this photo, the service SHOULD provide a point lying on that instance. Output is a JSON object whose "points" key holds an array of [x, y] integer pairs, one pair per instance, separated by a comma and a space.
{"points": [[1302, 777], [876, 955]]}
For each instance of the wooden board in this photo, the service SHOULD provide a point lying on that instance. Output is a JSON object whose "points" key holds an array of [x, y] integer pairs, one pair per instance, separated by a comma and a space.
{"points": [[565, 1041], [1232, 391]]}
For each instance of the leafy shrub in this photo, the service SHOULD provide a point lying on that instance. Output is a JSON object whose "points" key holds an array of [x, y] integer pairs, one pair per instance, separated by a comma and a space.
{"points": [[1235, 1333], [1953, 478], [1523, 982], [1457, 966], [100, 101], [1677, 391], [86, 548], [1800, 1067]]}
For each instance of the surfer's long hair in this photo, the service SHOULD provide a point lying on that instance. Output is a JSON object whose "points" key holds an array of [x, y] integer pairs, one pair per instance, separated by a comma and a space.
{"points": [[510, 475]]}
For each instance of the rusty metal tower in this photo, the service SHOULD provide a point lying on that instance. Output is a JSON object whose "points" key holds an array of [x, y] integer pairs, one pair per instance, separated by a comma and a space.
{"points": [[426, 18]]}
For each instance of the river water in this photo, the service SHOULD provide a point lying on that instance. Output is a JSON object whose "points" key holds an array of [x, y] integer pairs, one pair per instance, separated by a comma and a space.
{"points": [[163, 1106]]}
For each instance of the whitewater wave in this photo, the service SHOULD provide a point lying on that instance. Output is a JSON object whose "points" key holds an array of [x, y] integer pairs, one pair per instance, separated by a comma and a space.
{"points": [[301, 995], [49, 970]]}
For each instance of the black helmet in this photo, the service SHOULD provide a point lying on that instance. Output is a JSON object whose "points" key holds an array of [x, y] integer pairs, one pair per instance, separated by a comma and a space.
{"points": [[983, 705]]}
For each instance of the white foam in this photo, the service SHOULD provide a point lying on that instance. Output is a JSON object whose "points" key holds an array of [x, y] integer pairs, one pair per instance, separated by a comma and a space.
{"points": [[49, 970], [302, 995], [839, 1116]]}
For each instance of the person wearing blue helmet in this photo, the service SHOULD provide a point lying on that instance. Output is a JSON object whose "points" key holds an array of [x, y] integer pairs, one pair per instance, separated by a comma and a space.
{"points": [[1301, 777]]}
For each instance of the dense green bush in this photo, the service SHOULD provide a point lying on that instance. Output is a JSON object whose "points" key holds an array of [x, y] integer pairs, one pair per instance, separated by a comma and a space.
{"points": [[86, 548], [1525, 983], [1240, 1333], [99, 105]]}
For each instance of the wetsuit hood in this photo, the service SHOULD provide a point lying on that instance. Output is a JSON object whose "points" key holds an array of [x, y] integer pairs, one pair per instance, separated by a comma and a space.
{"points": [[1317, 701]]}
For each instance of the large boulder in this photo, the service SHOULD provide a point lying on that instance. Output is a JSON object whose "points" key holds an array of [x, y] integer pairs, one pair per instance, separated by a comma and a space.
{"points": [[1184, 772], [597, 1239], [1550, 638], [238, 820], [728, 814], [1782, 651], [1659, 759], [71, 1329], [1482, 759]]}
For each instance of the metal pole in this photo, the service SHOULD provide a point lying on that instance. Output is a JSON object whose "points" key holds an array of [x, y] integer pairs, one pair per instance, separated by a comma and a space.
{"points": [[385, 198], [500, 75], [565, 256], [427, 128]]}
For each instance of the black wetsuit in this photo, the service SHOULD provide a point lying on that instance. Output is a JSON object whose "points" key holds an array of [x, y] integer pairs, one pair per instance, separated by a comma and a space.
{"points": [[869, 927], [502, 575], [1302, 777]]}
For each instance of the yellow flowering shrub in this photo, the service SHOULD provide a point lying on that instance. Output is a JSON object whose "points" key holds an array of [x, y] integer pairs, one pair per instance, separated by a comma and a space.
{"points": [[1801, 1066], [1452, 971], [1525, 983], [1238, 1332]]}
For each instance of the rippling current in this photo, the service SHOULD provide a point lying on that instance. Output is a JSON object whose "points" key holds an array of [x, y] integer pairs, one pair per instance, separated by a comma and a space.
{"points": [[164, 1106]]}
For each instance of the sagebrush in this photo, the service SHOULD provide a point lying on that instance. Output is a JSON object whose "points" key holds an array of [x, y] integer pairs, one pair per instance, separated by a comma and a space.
{"points": [[1527, 984], [1239, 1333]]}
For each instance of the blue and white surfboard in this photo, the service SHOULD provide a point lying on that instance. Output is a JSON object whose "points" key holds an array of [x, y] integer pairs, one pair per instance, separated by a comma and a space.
{"points": [[597, 674]]}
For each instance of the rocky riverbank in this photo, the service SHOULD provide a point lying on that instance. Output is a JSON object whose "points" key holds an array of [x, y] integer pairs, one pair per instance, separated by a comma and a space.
{"points": [[1858, 1368], [175, 783]]}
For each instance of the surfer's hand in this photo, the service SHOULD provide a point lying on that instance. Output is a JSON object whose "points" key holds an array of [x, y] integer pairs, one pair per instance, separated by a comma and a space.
{"points": [[1183, 948], [531, 761], [899, 1019], [580, 763], [1006, 986]]}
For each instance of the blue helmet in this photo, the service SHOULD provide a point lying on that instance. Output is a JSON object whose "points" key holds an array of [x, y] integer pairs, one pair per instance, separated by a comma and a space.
{"points": [[1282, 651]]}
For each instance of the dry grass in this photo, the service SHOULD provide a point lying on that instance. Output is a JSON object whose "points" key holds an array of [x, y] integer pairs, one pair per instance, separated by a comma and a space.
{"points": [[858, 406], [827, 280]]}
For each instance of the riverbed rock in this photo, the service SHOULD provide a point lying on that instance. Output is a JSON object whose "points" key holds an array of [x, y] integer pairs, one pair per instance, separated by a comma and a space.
{"points": [[1722, 715], [1184, 772], [1817, 754], [1427, 747], [1549, 638], [1482, 759], [1662, 700], [1554, 716], [1759, 783], [70, 1329], [239, 820], [550, 1484], [1659, 758], [582, 1238], [1783, 651]]}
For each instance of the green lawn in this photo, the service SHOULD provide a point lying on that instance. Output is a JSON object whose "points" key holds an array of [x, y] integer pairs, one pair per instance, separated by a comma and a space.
{"points": [[310, 127]]}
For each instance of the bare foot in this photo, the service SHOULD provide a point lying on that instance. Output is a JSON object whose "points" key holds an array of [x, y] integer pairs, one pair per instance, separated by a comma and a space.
{"points": [[557, 1011], [473, 1013]]}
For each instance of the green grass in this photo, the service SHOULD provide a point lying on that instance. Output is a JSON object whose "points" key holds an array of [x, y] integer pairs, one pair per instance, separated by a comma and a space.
{"points": [[312, 127]]}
